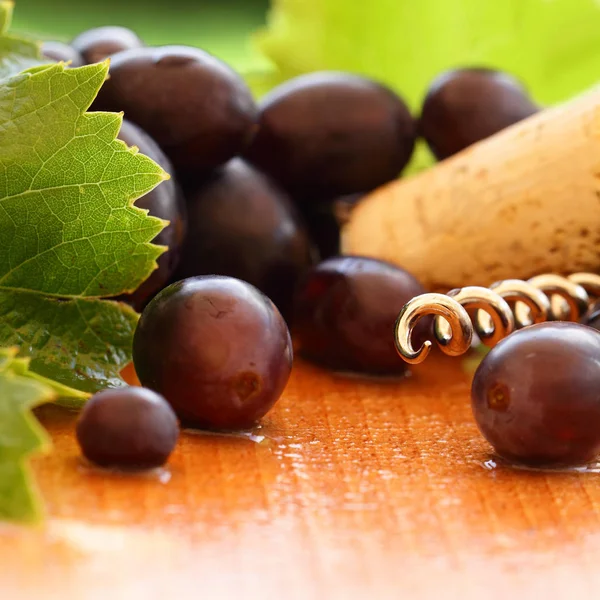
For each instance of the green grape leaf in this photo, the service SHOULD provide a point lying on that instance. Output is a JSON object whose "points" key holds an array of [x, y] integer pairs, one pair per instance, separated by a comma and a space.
{"points": [[550, 45], [21, 435], [69, 232], [70, 236], [16, 53]]}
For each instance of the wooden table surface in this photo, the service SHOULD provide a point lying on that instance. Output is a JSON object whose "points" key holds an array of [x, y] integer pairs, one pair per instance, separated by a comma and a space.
{"points": [[351, 489]]}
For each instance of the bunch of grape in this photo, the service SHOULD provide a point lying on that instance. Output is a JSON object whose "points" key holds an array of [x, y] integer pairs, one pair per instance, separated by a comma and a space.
{"points": [[256, 200]]}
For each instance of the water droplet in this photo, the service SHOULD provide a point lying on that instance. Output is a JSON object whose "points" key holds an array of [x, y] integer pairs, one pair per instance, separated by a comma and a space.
{"points": [[247, 435], [161, 474], [592, 467]]}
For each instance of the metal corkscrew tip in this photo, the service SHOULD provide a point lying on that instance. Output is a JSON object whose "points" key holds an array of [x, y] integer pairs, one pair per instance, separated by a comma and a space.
{"points": [[493, 313]]}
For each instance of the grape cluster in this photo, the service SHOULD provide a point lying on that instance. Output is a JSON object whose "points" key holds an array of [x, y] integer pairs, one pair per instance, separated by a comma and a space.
{"points": [[257, 199], [256, 190]]}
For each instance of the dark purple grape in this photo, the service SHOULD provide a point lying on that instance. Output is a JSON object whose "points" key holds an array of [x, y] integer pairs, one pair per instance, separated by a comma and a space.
{"points": [[242, 225], [166, 202], [345, 311], [324, 135], [592, 318], [465, 106], [536, 395], [131, 428], [99, 43], [60, 52], [216, 348], [198, 110]]}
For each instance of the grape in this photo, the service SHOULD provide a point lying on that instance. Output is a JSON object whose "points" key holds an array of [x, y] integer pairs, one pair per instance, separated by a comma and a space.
{"points": [[216, 348], [244, 226], [59, 52], [128, 427], [536, 395], [592, 318], [99, 43], [198, 110], [166, 202], [324, 135], [465, 106], [345, 311]]}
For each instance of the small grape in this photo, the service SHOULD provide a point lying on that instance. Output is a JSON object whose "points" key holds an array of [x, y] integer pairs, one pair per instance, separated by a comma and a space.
{"points": [[94, 45], [132, 428], [216, 348], [465, 106], [345, 311], [536, 395], [59, 52]]}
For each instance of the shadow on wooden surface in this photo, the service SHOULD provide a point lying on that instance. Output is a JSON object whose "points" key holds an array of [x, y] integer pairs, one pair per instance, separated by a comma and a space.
{"points": [[351, 488]]}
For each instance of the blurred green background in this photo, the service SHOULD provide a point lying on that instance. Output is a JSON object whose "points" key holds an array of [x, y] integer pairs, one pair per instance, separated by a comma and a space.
{"points": [[219, 26]]}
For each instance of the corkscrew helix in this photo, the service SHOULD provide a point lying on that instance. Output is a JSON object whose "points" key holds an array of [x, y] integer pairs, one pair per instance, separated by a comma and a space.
{"points": [[493, 313]]}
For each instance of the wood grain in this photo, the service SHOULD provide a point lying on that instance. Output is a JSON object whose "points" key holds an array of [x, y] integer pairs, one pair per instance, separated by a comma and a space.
{"points": [[351, 489]]}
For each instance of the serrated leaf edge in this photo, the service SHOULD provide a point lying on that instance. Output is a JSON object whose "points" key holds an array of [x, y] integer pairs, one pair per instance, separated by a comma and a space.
{"points": [[157, 249], [47, 394]]}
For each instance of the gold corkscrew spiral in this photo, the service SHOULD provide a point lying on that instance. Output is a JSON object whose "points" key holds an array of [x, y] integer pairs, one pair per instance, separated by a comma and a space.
{"points": [[493, 313]]}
